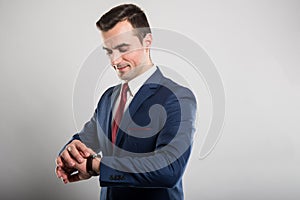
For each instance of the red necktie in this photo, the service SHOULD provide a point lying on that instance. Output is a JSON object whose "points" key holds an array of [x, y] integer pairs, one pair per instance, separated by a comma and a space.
{"points": [[119, 113]]}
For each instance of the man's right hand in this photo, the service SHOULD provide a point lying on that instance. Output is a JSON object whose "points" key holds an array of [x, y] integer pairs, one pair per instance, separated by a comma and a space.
{"points": [[75, 153]]}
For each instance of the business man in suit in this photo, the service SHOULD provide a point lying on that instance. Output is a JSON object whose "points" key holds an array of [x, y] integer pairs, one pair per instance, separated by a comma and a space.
{"points": [[143, 127]]}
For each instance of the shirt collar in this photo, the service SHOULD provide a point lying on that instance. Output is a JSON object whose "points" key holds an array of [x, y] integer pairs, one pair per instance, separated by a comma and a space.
{"points": [[136, 83]]}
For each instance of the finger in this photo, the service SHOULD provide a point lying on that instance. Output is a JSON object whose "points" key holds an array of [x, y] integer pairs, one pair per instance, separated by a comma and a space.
{"points": [[59, 161], [66, 159], [61, 174], [91, 151], [57, 172], [65, 173], [63, 164], [74, 151], [78, 177], [69, 170], [74, 178], [82, 148]]}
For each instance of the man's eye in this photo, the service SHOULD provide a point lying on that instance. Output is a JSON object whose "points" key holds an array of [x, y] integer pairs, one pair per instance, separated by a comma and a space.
{"points": [[108, 52], [122, 50]]}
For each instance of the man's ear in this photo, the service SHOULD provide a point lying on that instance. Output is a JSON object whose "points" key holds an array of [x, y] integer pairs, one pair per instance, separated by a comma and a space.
{"points": [[147, 41]]}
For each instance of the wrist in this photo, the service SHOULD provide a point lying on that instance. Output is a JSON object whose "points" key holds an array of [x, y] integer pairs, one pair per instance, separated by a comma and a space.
{"points": [[93, 164], [96, 165]]}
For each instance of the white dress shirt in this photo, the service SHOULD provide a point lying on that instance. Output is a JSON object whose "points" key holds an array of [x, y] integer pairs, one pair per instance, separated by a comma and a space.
{"points": [[133, 87]]}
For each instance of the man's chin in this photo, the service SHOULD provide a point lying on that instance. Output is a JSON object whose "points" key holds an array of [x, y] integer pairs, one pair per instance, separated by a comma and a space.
{"points": [[124, 76], [128, 75]]}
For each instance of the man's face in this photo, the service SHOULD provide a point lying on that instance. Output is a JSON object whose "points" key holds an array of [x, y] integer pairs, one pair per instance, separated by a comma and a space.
{"points": [[128, 55]]}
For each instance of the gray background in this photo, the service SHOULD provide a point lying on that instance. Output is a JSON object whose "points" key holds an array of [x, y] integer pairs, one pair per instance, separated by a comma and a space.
{"points": [[254, 44]]}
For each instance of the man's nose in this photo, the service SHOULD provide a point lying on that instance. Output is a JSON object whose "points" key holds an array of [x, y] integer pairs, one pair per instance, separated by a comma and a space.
{"points": [[116, 58]]}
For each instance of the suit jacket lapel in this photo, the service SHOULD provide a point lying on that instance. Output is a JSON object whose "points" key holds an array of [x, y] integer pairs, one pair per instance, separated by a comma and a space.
{"points": [[112, 100], [147, 90]]}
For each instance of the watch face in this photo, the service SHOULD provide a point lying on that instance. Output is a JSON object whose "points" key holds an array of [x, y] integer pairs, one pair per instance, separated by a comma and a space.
{"points": [[94, 155], [99, 155]]}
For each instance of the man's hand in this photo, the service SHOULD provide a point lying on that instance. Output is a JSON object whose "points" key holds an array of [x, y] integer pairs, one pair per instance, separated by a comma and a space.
{"points": [[72, 159], [74, 152], [81, 174], [62, 171]]}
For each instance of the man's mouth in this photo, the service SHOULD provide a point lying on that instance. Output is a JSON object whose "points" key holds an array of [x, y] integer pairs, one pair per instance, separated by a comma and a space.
{"points": [[122, 67]]}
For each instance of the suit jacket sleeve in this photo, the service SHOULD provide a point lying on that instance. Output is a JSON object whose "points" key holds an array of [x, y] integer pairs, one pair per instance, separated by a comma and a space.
{"points": [[88, 135]]}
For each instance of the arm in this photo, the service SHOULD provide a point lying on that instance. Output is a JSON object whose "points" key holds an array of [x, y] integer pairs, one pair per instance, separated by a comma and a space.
{"points": [[82, 144], [72, 157]]}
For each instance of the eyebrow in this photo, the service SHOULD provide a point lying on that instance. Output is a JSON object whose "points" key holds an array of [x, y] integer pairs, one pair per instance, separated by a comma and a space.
{"points": [[117, 47]]}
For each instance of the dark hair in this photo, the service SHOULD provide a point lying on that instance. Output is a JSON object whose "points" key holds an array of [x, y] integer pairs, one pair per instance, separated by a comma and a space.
{"points": [[130, 12]]}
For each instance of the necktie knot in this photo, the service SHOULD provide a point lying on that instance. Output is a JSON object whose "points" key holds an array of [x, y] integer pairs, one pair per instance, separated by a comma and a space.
{"points": [[125, 89], [124, 93]]}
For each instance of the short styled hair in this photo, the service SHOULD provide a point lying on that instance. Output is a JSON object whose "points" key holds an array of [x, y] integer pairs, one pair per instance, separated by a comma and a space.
{"points": [[130, 12]]}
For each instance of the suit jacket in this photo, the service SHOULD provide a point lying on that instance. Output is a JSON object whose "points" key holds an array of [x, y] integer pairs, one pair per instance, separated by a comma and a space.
{"points": [[153, 142]]}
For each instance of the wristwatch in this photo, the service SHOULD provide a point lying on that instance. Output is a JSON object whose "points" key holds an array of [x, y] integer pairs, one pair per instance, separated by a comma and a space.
{"points": [[89, 163]]}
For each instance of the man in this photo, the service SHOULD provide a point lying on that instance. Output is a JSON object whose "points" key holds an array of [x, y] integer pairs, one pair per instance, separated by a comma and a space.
{"points": [[142, 127]]}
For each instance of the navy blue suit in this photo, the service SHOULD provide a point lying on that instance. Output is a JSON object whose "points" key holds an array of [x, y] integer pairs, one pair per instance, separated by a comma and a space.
{"points": [[153, 142]]}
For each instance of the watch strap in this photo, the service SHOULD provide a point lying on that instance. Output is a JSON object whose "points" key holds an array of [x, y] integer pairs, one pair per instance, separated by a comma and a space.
{"points": [[89, 164]]}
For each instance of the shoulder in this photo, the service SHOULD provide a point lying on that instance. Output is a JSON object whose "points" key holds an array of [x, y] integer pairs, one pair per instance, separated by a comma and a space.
{"points": [[109, 91], [168, 86], [178, 90], [107, 94]]}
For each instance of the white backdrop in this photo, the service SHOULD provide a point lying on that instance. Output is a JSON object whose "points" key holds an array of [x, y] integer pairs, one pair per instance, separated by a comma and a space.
{"points": [[254, 44]]}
